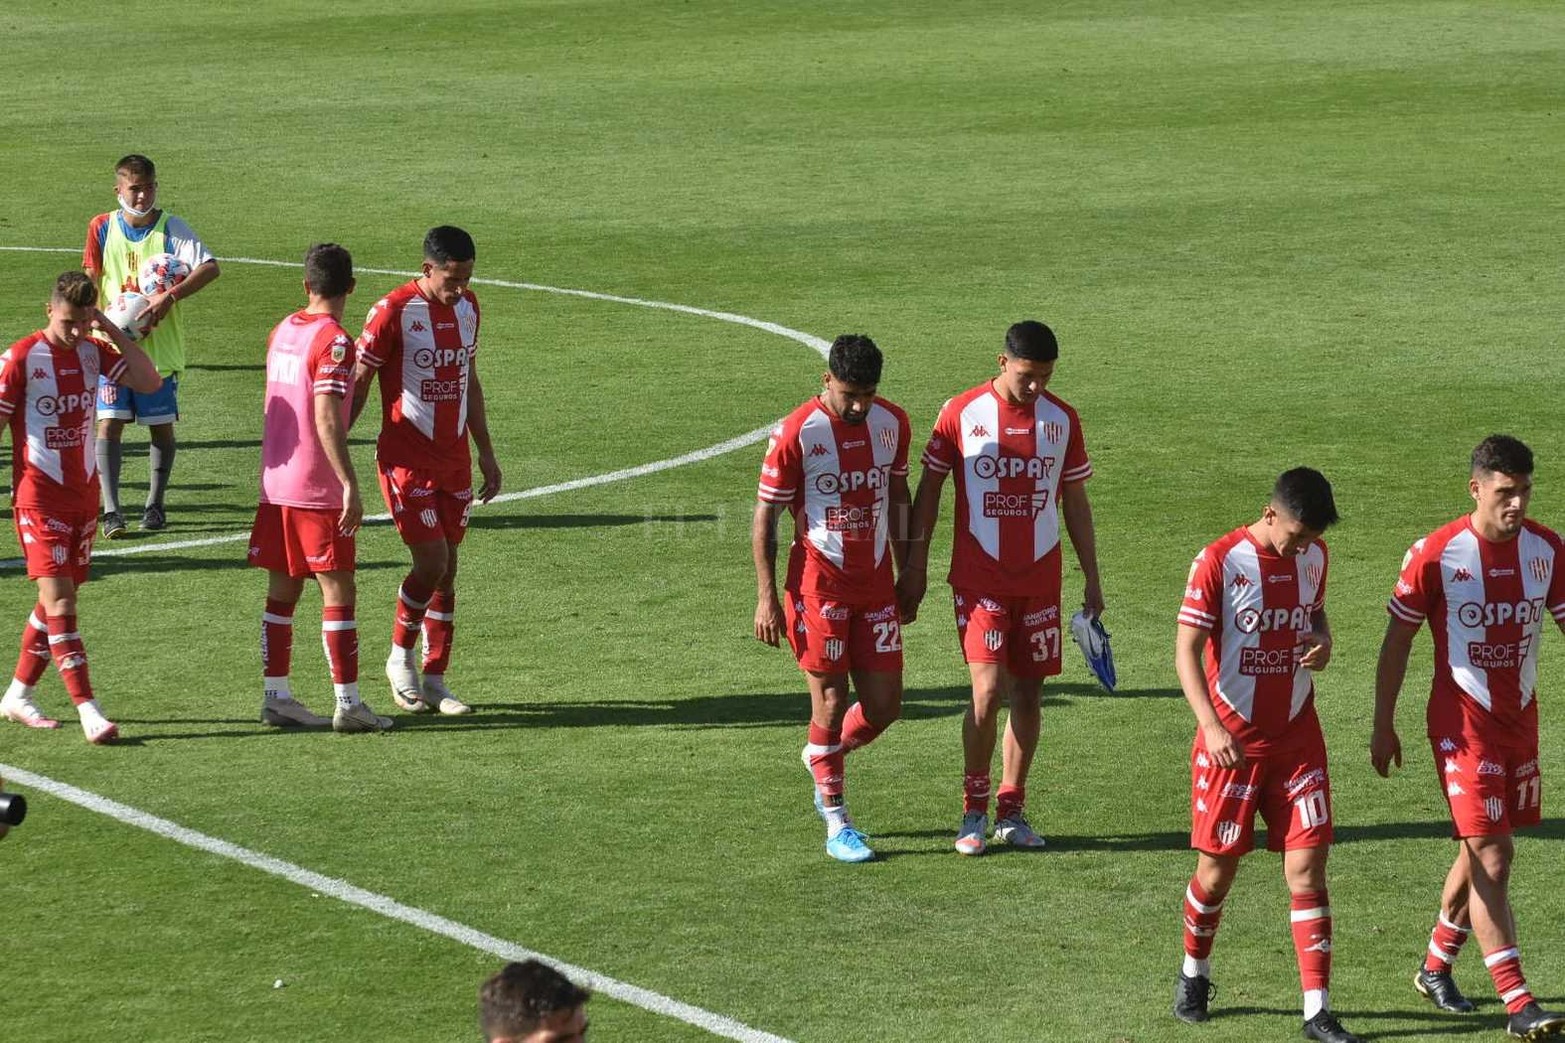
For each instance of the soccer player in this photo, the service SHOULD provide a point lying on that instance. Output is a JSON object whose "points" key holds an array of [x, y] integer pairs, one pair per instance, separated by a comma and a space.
{"points": [[117, 244], [1484, 583], [48, 386], [422, 340], [310, 503], [1252, 631], [1018, 456], [838, 463], [531, 1002]]}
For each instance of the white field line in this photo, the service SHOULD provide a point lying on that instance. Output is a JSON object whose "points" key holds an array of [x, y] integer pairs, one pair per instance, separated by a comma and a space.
{"points": [[696, 456], [646, 999]]}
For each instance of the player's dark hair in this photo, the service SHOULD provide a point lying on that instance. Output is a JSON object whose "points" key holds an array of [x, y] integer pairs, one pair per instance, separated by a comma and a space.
{"points": [[328, 270], [75, 289], [136, 165], [854, 359], [1502, 454], [446, 243], [516, 1000], [1031, 341], [1306, 494]]}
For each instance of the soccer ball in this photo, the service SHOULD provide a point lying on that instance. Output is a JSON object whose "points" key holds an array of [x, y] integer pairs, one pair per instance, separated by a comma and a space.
{"points": [[162, 272], [129, 311]]}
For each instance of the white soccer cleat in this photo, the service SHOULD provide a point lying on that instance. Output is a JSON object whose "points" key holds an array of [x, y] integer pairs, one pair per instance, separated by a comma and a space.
{"points": [[436, 694], [359, 718], [288, 712], [970, 837], [99, 729], [1015, 831], [17, 707], [407, 691]]}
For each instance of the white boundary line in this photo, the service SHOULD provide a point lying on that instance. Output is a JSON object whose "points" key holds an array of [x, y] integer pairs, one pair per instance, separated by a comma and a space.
{"points": [[646, 999], [739, 442]]}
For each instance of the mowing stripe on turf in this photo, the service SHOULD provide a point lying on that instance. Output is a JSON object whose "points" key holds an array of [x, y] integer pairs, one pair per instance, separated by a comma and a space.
{"points": [[738, 442], [646, 999]]}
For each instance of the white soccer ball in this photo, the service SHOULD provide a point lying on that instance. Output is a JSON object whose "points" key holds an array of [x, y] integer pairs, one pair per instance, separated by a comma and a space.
{"points": [[162, 272], [129, 311]]}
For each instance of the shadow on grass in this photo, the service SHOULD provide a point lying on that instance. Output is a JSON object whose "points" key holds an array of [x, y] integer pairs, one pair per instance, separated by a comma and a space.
{"points": [[136, 564], [580, 521], [1427, 1022]]}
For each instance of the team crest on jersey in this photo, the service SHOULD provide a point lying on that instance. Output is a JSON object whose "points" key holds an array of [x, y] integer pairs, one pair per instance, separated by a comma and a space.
{"points": [[834, 648], [1539, 567], [1053, 432], [1461, 575], [888, 439], [1312, 573], [1494, 807], [993, 639]]}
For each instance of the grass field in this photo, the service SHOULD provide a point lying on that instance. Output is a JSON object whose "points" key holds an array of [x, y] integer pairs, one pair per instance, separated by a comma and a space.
{"points": [[1323, 233]]}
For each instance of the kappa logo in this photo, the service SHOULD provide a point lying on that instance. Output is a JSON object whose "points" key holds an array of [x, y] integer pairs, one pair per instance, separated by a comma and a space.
{"points": [[1202, 783], [978, 431], [834, 648], [1453, 768], [1241, 581], [818, 450], [1448, 746], [1200, 804], [1053, 432], [1539, 567], [1201, 761], [1324, 945], [418, 327], [1461, 575], [1454, 790], [39, 374]]}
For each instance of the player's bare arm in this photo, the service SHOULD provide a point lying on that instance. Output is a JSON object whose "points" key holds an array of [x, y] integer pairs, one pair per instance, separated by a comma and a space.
{"points": [[1225, 749], [763, 548], [363, 376], [913, 577], [140, 372], [1385, 748], [1077, 511], [1317, 646], [900, 503], [204, 273], [478, 424], [334, 440]]}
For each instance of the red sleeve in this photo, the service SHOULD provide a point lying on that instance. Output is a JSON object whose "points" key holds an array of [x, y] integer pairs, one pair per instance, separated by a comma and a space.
{"points": [[1325, 573], [1203, 592], [331, 362], [944, 450], [111, 363], [782, 472], [92, 252], [13, 381], [1556, 596], [380, 339], [1415, 587], [1077, 467]]}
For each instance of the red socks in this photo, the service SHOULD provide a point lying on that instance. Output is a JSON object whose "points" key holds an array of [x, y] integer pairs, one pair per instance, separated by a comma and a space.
{"points": [[824, 757], [70, 658], [34, 660], [276, 639], [1505, 967], [1009, 801], [340, 635], [439, 629], [1202, 913], [856, 729], [1445, 944], [975, 794], [412, 603], [1311, 919]]}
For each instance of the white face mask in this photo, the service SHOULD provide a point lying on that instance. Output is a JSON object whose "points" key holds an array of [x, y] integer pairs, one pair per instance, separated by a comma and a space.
{"points": [[131, 211]]}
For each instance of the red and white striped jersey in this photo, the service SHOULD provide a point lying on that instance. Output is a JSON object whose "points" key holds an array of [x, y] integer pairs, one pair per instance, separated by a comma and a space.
{"points": [[1009, 462], [1259, 608], [1485, 603], [835, 478], [423, 351], [49, 397]]}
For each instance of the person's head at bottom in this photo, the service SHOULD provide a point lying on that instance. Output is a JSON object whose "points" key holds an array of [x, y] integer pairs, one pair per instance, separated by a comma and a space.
{"points": [[531, 1002]]}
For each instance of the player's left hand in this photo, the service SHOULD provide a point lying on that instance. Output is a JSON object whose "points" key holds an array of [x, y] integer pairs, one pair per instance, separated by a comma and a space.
{"points": [[1317, 651], [1092, 598], [159, 305], [489, 467]]}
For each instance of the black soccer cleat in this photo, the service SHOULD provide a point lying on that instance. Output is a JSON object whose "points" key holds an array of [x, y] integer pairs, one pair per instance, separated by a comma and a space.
{"points": [[1439, 988], [1191, 996], [1533, 1022], [1327, 1029]]}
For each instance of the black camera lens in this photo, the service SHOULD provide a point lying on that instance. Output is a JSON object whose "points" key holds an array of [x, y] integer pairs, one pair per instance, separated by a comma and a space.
{"points": [[13, 808]]}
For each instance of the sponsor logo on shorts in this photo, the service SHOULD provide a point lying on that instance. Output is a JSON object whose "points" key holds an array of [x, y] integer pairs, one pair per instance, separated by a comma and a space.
{"points": [[990, 605], [1312, 779], [56, 525], [1494, 807], [418, 492], [1228, 832], [1042, 616], [993, 639], [1526, 769], [881, 615], [834, 648], [1490, 768], [831, 611], [1240, 791]]}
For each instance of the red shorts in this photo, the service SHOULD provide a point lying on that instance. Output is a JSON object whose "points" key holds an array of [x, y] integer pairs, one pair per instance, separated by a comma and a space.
{"points": [[828, 637], [1289, 785], [1491, 789], [1021, 633], [56, 543], [427, 505], [300, 541]]}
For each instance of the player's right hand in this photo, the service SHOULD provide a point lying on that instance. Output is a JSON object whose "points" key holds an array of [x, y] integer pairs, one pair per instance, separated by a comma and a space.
{"points": [[1225, 749], [1384, 749], [768, 621], [352, 515]]}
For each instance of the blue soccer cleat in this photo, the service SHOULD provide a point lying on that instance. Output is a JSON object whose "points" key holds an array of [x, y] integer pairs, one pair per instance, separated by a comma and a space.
{"points": [[1094, 643], [849, 846]]}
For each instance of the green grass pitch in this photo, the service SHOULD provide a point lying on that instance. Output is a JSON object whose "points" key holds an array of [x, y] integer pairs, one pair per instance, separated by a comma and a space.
{"points": [[1267, 234]]}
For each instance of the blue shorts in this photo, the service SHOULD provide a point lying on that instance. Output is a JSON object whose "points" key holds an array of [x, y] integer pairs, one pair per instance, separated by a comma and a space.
{"points": [[119, 402]]}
